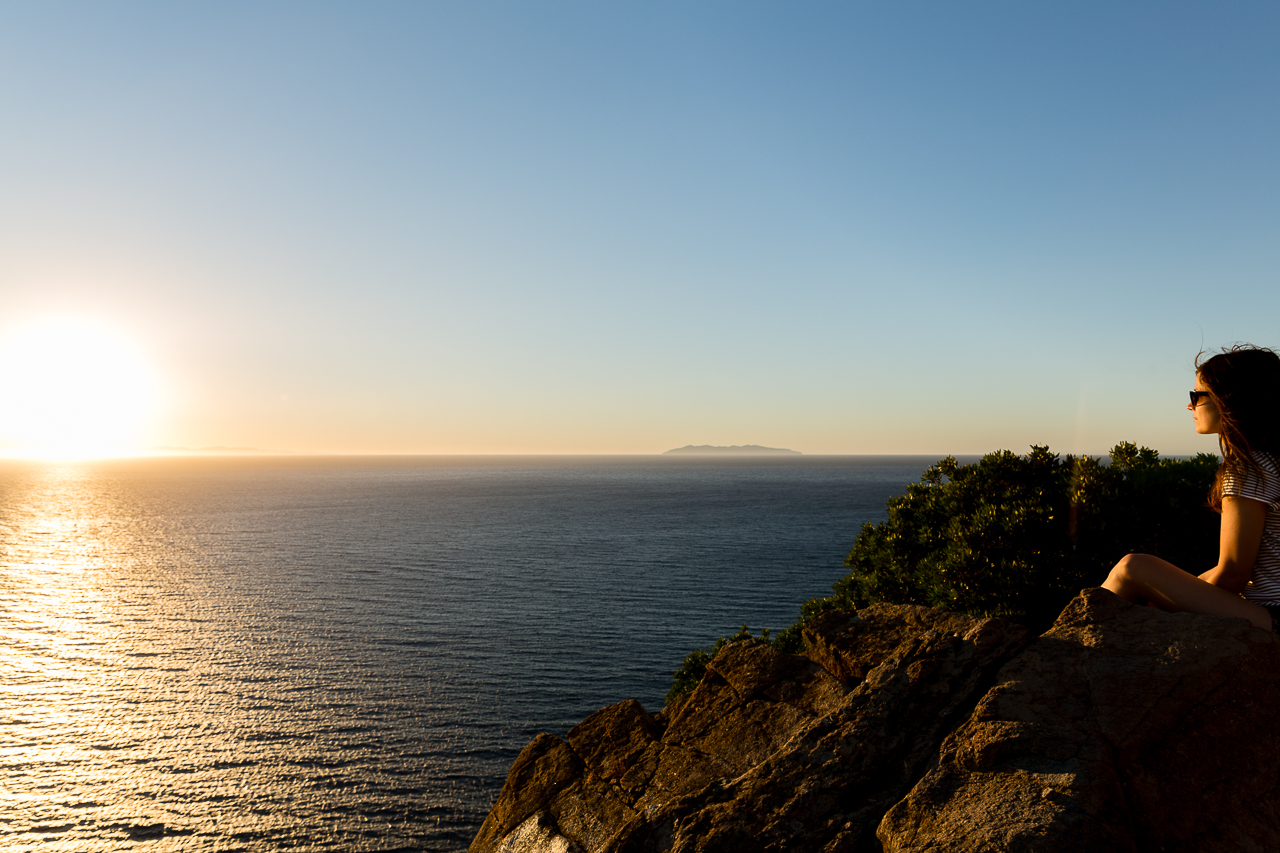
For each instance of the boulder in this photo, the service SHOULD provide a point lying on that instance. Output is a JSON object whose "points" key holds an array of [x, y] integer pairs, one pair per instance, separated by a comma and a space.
{"points": [[1122, 729]]}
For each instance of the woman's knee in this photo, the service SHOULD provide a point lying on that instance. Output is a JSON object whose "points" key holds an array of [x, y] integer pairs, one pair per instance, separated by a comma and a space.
{"points": [[1125, 572], [1130, 561]]}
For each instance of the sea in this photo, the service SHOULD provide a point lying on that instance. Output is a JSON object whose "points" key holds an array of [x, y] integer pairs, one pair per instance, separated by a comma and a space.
{"points": [[347, 653]]}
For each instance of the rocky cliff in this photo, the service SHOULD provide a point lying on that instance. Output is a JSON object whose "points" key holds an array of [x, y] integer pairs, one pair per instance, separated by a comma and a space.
{"points": [[908, 729]]}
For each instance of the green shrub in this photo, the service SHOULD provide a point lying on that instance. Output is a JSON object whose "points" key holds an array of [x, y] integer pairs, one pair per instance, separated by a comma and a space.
{"points": [[1018, 536], [1015, 536]]}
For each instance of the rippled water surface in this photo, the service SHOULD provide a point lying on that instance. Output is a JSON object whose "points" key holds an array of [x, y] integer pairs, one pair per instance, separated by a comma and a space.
{"points": [[347, 654]]}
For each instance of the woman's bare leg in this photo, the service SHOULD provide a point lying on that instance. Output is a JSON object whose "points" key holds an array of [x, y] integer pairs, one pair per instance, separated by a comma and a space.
{"points": [[1170, 588]]}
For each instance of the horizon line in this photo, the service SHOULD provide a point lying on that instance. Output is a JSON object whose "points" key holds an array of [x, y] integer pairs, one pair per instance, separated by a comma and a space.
{"points": [[242, 453]]}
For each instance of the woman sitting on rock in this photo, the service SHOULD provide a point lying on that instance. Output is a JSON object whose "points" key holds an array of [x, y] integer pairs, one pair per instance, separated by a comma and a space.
{"points": [[1237, 397]]}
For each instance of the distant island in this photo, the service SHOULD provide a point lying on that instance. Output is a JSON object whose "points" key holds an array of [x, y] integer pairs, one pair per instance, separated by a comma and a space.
{"points": [[215, 449], [733, 450]]}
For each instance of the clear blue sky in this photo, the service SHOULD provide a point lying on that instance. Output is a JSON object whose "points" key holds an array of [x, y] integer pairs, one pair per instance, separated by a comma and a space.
{"points": [[611, 227]]}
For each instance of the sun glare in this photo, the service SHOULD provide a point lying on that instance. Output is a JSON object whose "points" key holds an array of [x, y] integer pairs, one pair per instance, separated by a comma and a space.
{"points": [[71, 389]]}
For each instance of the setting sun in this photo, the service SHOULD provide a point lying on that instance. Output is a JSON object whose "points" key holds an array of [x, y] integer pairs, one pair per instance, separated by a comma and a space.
{"points": [[71, 389]]}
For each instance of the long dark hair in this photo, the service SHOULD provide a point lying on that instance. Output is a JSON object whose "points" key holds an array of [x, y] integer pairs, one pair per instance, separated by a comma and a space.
{"points": [[1244, 382]]}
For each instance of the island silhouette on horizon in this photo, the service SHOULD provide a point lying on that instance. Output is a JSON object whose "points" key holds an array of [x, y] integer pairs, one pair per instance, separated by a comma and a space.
{"points": [[215, 449], [732, 450]]}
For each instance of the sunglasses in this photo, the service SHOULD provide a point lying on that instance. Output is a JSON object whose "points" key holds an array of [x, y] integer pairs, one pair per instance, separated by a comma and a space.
{"points": [[1196, 396]]}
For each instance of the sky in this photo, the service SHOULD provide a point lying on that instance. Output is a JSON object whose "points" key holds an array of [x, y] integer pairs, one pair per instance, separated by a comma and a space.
{"points": [[561, 227]]}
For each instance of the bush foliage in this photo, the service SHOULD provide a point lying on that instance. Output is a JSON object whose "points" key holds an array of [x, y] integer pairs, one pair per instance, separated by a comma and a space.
{"points": [[1017, 536]]}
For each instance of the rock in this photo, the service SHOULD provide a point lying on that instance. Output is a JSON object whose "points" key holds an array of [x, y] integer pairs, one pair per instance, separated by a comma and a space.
{"points": [[1122, 729], [828, 785], [849, 645], [540, 770], [611, 739], [770, 751]]}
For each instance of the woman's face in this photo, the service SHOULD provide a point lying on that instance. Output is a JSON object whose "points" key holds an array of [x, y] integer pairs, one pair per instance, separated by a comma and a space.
{"points": [[1205, 412]]}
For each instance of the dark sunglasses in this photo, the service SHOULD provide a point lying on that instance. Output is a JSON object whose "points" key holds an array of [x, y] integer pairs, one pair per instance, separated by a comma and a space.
{"points": [[1196, 397]]}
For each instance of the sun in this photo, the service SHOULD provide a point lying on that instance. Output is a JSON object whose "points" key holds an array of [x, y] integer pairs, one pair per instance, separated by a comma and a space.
{"points": [[72, 389]]}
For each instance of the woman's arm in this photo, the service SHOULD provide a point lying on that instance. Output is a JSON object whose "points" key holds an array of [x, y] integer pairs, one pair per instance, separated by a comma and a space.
{"points": [[1242, 523]]}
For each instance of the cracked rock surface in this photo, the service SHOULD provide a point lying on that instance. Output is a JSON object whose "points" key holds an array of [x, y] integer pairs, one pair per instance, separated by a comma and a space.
{"points": [[904, 728]]}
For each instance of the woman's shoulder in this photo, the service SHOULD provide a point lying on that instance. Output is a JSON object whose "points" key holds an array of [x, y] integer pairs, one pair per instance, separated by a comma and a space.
{"points": [[1261, 483]]}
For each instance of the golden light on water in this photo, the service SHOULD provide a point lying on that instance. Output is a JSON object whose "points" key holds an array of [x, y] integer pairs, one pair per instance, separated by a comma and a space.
{"points": [[72, 389], [156, 694], [51, 556], [103, 726]]}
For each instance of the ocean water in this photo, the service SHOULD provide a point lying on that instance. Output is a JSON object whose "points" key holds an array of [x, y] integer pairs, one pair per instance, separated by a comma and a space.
{"points": [[347, 653]]}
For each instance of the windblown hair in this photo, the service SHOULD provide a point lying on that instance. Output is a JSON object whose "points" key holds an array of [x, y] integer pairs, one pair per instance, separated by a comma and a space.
{"points": [[1244, 383]]}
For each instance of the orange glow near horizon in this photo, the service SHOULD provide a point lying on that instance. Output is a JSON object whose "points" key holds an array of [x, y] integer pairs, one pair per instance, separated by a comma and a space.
{"points": [[71, 389]]}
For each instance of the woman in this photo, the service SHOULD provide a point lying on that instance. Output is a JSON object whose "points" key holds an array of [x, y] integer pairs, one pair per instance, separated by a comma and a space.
{"points": [[1237, 397]]}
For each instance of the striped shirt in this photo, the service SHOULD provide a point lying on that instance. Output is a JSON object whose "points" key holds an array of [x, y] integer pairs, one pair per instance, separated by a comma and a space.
{"points": [[1265, 586]]}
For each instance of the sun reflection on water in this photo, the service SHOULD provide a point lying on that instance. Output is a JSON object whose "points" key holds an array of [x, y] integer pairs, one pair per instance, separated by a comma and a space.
{"points": [[164, 686], [61, 642], [89, 699]]}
